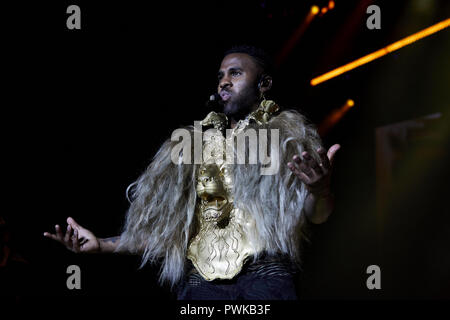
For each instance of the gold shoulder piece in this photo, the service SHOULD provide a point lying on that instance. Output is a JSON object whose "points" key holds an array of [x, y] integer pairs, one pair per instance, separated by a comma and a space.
{"points": [[264, 112], [218, 120]]}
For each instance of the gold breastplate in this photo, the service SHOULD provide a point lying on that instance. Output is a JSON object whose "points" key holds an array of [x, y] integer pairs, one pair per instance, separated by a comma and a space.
{"points": [[221, 245], [220, 253]]}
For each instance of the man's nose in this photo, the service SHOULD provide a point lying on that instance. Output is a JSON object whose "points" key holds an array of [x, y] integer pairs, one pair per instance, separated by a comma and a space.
{"points": [[225, 83]]}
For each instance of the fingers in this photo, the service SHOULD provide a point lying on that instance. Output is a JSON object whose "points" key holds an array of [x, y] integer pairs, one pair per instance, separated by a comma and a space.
{"points": [[59, 234], [310, 165], [75, 241], [314, 174], [309, 168], [332, 152], [73, 223], [68, 234], [69, 239], [324, 161], [304, 167], [304, 177], [51, 236]]}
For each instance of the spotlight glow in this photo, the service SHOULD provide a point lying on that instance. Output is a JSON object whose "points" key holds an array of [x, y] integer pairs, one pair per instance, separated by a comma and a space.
{"points": [[379, 53], [334, 117]]}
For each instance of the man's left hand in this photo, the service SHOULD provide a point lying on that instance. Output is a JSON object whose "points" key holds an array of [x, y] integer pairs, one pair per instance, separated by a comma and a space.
{"points": [[315, 175]]}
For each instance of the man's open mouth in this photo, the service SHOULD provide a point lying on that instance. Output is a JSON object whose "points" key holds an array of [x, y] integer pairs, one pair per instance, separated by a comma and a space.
{"points": [[225, 95]]}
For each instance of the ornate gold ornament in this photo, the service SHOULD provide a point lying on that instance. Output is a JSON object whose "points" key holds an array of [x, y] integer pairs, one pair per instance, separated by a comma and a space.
{"points": [[221, 245]]}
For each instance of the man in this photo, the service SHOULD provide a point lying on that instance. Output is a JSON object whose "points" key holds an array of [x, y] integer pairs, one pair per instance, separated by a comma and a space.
{"points": [[220, 230]]}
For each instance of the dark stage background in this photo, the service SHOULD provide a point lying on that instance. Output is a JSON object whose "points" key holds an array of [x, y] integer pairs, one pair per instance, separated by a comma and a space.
{"points": [[85, 110]]}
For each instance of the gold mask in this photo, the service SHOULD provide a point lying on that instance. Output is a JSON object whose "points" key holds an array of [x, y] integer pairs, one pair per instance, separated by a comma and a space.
{"points": [[215, 203], [220, 248]]}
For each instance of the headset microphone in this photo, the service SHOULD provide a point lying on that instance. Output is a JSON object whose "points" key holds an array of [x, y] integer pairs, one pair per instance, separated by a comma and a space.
{"points": [[214, 102]]}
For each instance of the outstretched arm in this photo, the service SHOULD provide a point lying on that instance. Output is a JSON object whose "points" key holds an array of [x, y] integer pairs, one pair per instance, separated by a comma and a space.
{"points": [[108, 245], [78, 239], [316, 176]]}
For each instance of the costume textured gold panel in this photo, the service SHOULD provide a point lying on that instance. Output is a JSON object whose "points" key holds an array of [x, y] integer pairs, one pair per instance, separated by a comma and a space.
{"points": [[221, 245]]}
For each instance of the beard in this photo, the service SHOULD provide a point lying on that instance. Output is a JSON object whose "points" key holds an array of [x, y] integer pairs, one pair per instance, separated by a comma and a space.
{"points": [[239, 106]]}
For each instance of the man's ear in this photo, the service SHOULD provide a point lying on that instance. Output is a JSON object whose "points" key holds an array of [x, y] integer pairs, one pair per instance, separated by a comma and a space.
{"points": [[265, 83]]}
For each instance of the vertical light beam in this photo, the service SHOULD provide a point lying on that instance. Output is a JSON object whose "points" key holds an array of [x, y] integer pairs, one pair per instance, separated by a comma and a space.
{"points": [[334, 117], [287, 48]]}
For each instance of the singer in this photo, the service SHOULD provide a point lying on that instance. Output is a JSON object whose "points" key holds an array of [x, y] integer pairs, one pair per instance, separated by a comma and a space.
{"points": [[224, 231]]}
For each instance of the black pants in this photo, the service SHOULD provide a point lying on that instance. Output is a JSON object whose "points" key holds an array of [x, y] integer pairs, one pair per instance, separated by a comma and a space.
{"points": [[265, 280]]}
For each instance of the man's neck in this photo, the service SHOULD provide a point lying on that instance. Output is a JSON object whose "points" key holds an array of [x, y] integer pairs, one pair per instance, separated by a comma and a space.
{"points": [[234, 122]]}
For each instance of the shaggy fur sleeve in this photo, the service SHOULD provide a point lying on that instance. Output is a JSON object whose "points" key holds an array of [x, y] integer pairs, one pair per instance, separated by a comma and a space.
{"points": [[159, 220], [276, 201]]}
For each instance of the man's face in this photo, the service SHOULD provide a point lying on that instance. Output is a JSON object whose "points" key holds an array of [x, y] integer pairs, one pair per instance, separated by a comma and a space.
{"points": [[238, 87]]}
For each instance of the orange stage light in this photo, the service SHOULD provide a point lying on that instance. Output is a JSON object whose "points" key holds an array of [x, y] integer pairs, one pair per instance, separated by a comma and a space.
{"points": [[379, 53], [294, 38], [314, 10], [331, 5], [334, 117]]}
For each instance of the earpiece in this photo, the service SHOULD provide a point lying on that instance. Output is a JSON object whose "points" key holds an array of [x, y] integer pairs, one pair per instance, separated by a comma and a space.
{"points": [[263, 82]]}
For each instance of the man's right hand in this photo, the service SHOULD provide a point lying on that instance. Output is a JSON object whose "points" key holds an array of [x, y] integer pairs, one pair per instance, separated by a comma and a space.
{"points": [[76, 238]]}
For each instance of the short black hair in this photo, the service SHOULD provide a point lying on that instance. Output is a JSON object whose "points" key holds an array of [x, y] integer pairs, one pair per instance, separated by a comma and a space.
{"points": [[261, 57]]}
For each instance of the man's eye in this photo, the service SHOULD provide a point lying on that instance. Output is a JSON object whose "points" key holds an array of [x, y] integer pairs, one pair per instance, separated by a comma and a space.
{"points": [[235, 73]]}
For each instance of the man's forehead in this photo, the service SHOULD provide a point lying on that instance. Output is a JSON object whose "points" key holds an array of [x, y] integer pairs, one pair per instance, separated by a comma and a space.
{"points": [[238, 60]]}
